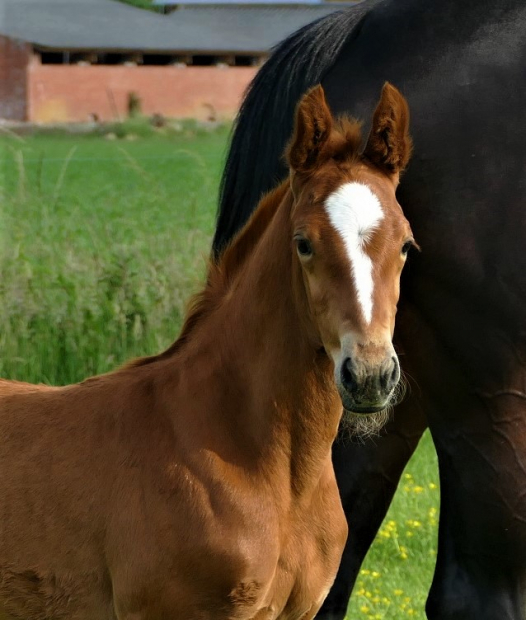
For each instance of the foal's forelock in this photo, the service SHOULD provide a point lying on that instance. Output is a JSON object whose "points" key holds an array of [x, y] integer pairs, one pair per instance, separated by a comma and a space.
{"points": [[355, 212]]}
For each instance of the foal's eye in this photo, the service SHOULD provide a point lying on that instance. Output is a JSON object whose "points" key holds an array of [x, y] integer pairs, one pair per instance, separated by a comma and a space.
{"points": [[303, 246], [406, 247]]}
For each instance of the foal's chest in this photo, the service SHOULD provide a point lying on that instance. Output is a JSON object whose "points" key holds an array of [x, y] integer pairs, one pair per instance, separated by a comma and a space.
{"points": [[307, 569], [309, 554], [233, 560]]}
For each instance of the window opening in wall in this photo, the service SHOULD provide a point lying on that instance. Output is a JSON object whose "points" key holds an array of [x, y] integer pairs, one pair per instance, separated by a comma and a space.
{"points": [[202, 61], [53, 58], [247, 61], [111, 59], [138, 59], [157, 59]]}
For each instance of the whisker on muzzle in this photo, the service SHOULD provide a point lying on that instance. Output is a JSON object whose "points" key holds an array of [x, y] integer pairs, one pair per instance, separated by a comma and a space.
{"points": [[361, 427]]}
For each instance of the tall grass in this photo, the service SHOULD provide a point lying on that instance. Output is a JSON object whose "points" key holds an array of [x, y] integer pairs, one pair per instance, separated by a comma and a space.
{"points": [[102, 242]]}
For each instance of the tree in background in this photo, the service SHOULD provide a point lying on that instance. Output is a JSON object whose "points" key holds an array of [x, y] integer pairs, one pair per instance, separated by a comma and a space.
{"points": [[143, 4]]}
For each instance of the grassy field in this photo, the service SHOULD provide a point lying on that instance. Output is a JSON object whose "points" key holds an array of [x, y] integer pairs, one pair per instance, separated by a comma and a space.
{"points": [[101, 243]]}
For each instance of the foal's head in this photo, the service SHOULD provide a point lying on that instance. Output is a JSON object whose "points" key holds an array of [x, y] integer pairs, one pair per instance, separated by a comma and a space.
{"points": [[351, 240]]}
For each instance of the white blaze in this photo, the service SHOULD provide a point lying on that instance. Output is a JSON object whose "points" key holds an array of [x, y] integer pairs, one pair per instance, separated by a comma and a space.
{"points": [[355, 211]]}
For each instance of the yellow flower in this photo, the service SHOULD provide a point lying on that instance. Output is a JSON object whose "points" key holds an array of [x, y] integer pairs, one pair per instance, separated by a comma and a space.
{"points": [[364, 609], [418, 489]]}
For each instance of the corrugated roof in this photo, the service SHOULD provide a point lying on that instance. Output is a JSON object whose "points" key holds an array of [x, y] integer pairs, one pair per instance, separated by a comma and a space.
{"points": [[111, 25], [242, 27], [237, 2], [84, 24]]}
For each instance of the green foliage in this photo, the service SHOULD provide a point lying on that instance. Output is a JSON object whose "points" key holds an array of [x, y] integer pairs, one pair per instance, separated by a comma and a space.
{"points": [[101, 244], [143, 4], [134, 105]]}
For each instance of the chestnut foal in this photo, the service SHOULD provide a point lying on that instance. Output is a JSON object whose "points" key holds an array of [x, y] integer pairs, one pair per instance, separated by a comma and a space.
{"points": [[198, 483]]}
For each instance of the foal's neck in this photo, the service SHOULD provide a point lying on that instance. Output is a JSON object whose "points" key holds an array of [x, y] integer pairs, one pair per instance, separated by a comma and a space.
{"points": [[286, 410]]}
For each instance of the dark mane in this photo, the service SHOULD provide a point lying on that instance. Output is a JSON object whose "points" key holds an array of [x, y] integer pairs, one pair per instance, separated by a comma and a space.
{"points": [[271, 98]]}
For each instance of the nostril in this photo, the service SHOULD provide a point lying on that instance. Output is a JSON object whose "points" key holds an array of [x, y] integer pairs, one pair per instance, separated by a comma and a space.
{"points": [[347, 375], [392, 375], [395, 373]]}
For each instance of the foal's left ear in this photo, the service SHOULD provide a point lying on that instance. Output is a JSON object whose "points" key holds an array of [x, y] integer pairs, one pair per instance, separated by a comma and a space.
{"points": [[389, 144], [312, 128]]}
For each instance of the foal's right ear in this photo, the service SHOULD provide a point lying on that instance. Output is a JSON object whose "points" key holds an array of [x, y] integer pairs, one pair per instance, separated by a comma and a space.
{"points": [[312, 128]]}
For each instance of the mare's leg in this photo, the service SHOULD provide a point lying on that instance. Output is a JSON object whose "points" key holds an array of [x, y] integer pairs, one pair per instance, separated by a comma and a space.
{"points": [[481, 563], [368, 474], [472, 378]]}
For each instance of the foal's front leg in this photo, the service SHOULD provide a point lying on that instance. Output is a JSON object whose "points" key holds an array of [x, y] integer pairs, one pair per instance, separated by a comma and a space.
{"points": [[367, 475]]}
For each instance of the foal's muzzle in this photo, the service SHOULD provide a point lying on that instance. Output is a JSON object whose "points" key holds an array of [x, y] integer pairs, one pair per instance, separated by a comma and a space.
{"points": [[368, 389]]}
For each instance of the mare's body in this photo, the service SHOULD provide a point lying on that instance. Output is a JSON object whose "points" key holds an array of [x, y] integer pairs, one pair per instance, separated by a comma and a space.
{"points": [[198, 484], [460, 328]]}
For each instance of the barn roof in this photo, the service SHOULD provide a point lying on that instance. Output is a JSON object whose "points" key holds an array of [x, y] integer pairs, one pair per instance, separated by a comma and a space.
{"points": [[238, 28], [84, 24], [190, 29], [235, 2]]}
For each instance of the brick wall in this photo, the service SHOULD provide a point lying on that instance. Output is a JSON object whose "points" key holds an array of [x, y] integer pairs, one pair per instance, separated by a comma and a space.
{"points": [[73, 93], [14, 59]]}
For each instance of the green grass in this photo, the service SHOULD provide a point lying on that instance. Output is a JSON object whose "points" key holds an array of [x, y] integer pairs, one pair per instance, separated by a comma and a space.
{"points": [[101, 243], [396, 575]]}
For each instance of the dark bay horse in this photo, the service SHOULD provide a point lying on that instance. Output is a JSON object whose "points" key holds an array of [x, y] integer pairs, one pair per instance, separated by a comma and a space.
{"points": [[198, 484], [461, 324]]}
